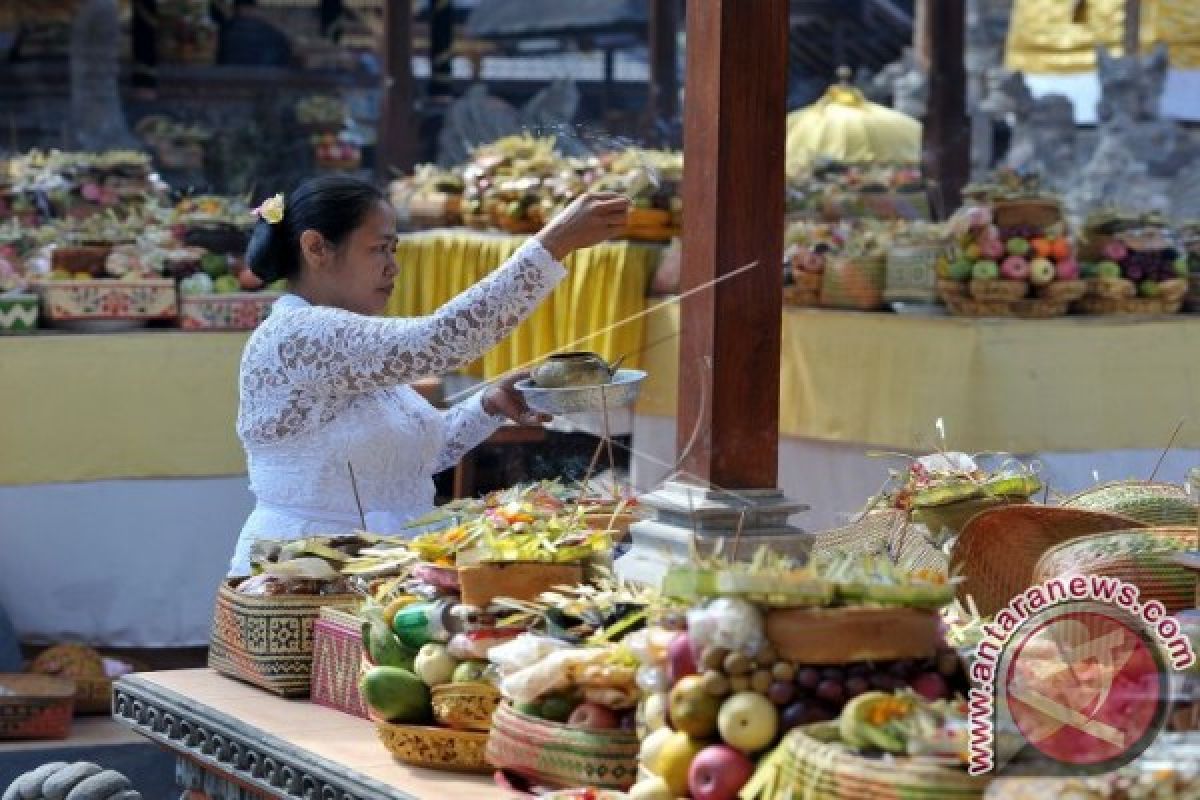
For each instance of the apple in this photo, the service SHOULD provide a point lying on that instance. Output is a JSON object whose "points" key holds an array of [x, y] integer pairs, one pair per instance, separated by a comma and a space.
{"points": [[1108, 269], [593, 717], [469, 672], [1148, 288], [692, 709], [673, 762], [1017, 246], [931, 686], [1067, 269], [992, 249], [1042, 247], [1115, 250], [718, 773], [748, 722], [651, 787], [681, 659], [959, 270], [1181, 266], [1015, 268], [985, 270], [653, 744], [434, 665], [1041, 271], [226, 284], [973, 251]]}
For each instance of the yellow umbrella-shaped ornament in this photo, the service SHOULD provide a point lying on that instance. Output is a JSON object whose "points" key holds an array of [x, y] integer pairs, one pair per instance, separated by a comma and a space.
{"points": [[844, 126]]}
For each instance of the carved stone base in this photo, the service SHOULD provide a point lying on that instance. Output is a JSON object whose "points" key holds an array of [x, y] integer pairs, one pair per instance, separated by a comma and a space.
{"points": [[692, 518]]}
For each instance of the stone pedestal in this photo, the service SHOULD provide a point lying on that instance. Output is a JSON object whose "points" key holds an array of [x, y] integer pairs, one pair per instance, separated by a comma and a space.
{"points": [[687, 516]]}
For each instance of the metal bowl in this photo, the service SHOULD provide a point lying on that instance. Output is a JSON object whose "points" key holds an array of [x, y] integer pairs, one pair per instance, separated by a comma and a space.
{"points": [[622, 392]]}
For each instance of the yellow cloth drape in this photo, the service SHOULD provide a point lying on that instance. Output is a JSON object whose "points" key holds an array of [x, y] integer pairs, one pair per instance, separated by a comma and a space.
{"points": [[606, 285], [1021, 386], [1060, 36], [138, 405]]}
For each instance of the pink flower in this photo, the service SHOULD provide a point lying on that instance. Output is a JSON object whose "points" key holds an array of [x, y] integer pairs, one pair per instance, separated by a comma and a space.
{"points": [[91, 191]]}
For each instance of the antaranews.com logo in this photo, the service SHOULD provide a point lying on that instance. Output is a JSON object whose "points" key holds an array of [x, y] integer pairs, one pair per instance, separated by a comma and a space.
{"points": [[1078, 669]]}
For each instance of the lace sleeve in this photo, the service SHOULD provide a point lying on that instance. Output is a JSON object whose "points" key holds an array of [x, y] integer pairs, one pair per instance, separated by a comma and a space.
{"points": [[346, 353], [467, 425]]}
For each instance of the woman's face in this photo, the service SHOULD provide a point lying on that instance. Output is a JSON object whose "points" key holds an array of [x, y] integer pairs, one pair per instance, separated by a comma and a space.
{"points": [[363, 269]]}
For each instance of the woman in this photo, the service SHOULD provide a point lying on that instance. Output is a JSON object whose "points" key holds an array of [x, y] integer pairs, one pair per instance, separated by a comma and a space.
{"points": [[324, 379]]}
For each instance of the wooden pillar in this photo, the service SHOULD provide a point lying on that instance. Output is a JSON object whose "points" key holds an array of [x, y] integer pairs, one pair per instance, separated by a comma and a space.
{"points": [[947, 145], [663, 101], [1131, 37], [441, 48], [734, 129], [396, 146]]}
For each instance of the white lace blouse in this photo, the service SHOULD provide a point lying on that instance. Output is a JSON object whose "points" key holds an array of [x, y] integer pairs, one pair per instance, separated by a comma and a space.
{"points": [[323, 388]]}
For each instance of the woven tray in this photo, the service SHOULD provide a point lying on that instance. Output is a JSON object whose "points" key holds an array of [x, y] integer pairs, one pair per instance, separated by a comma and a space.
{"points": [[997, 291], [1062, 291], [556, 756], [804, 767], [999, 548], [465, 706], [1145, 558], [268, 641], [436, 748], [1040, 212], [1130, 305], [35, 707], [855, 283], [1155, 504]]}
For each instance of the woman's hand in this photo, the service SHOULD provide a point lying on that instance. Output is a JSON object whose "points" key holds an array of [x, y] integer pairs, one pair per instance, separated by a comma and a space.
{"points": [[503, 399], [590, 219]]}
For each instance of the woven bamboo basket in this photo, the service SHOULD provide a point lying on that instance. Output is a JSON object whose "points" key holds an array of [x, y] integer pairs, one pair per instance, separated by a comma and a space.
{"points": [[436, 748], [998, 549], [948, 288], [465, 706], [556, 756], [997, 291], [805, 766], [268, 641], [1040, 308], [80, 258], [854, 282], [1144, 558], [966, 307], [35, 707], [876, 532], [1153, 504], [804, 291], [1111, 288], [1132, 305], [1063, 291], [1040, 212], [338, 662]]}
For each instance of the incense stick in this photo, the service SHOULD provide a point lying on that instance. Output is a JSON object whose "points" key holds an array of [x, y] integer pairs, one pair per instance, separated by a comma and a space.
{"points": [[737, 538], [357, 500], [1167, 449]]}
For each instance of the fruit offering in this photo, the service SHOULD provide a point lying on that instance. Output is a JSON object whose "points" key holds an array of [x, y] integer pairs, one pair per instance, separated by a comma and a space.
{"points": [[1011, 249], [1142, 263], [718, 695]]}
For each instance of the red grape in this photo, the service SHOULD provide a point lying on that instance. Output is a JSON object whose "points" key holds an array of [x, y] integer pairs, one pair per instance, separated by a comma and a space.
{"points": [[781, 692], [831, 691], [856, 685], [808, 678]]}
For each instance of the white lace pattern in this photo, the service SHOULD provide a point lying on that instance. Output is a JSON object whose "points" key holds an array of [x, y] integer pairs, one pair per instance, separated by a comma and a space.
{"points": [[323, 389]]}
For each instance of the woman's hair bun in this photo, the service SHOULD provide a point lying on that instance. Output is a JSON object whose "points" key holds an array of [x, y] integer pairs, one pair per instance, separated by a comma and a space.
{"points": [[332, 205]]}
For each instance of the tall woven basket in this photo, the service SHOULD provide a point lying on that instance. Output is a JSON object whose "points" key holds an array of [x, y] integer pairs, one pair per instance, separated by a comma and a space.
{"points": [[268, 641], [854, 282]]}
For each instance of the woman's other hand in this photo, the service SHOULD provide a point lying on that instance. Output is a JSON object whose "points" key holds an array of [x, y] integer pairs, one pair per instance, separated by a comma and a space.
{"points": [[503, 399], [590, 219]]}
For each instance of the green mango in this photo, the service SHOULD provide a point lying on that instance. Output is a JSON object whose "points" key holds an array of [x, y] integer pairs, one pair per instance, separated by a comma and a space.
{"points": [[396, 694], [384, 649]]}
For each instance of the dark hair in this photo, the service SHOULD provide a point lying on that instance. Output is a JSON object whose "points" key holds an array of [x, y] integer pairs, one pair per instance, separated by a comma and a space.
{"points": [[332, 205]]}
